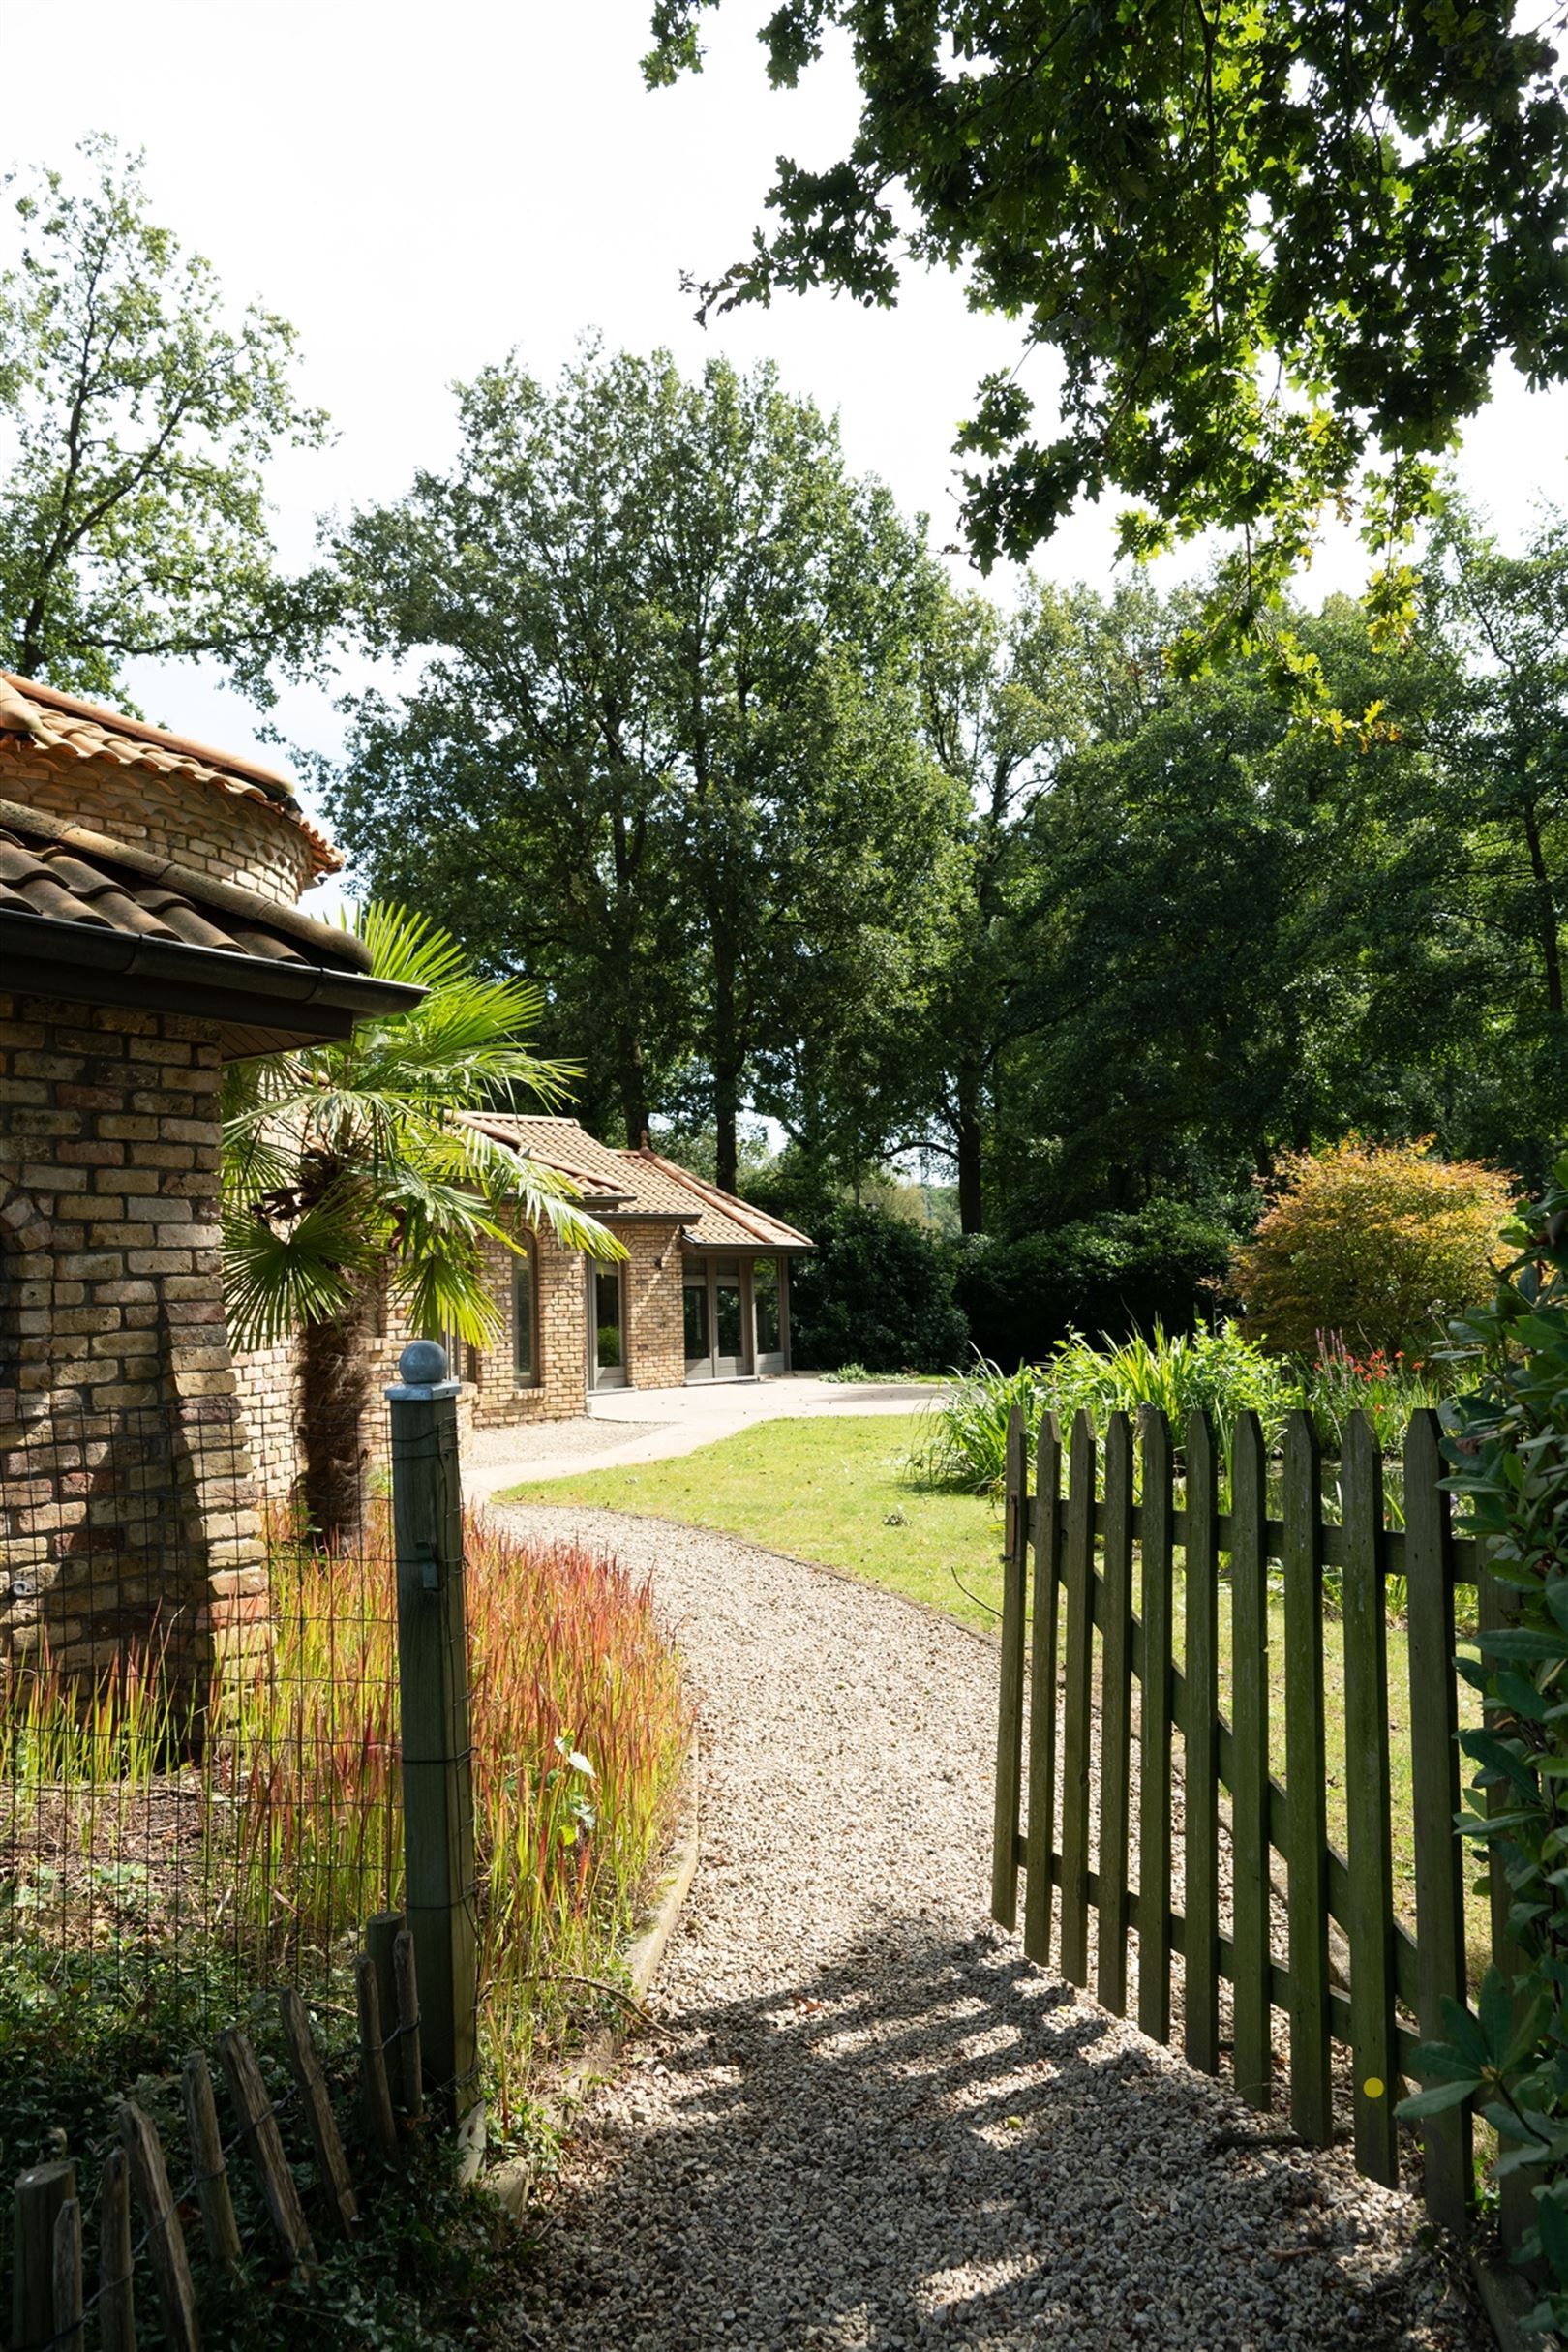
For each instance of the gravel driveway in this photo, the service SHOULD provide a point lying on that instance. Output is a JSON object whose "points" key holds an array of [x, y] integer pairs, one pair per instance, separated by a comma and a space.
{"points": [[876, 2125]]}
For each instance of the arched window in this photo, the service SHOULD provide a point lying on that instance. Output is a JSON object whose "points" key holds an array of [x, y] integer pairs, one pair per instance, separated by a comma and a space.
{"points": [[525, 1319]]}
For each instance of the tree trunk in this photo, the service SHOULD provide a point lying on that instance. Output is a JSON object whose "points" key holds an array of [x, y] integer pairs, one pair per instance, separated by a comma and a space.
{"points": [[631, 1083], [333, 1392], [971, 1194], [1547, 900], [727, 1063]]}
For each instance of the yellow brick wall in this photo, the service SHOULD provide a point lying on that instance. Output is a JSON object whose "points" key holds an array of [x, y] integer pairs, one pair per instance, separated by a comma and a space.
{"points": [[656, 1337], [127, 1499], [229, 835]]}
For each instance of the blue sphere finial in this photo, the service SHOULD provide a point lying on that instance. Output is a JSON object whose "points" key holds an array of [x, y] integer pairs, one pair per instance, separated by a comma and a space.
{"points": [[422, 1364]]}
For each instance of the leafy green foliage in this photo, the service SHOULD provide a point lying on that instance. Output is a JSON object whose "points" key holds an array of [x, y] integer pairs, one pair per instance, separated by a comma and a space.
{"points": [[138, 417], [1120, 1272], [80, 2035], [1507, 1441], [661, 748], [1259, 242], [877, 1289], [342, 1156], [1377, 1244], [963, 1441]]}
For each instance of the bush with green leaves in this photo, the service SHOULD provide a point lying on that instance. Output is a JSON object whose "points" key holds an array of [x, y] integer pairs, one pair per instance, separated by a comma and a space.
{"points": [[1120, 1272], [1507, 1441], [962, 1440], [877, 1290], [1374, 1244]]}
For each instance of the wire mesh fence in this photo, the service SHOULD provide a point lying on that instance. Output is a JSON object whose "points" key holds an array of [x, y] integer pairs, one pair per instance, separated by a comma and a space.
{"points": [[199, 1714]]}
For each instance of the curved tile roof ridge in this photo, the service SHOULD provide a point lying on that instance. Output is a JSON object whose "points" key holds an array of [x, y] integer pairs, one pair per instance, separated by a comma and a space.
{"points": [[62, 727], [327, 943], [755, 1221]]}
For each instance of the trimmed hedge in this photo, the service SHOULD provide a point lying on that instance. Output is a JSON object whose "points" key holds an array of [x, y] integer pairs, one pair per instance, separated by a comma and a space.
{"points": [[1119, 1273]]}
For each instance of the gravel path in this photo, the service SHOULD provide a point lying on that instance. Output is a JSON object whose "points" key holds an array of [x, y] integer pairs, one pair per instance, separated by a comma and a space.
{"points": [[877, 2126]]}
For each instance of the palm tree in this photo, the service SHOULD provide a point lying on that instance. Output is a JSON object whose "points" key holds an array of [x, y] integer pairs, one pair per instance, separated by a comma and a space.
{"points": [[343, 1166]]}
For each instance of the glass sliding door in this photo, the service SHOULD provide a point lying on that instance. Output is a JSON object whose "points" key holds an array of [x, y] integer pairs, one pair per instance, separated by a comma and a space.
{"points": [[731, 1356], [607, 1327], [769, 1310], [699, 1324]]}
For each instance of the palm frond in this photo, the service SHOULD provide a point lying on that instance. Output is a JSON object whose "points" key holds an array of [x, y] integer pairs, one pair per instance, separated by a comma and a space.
{"points": [[278, 1278]]}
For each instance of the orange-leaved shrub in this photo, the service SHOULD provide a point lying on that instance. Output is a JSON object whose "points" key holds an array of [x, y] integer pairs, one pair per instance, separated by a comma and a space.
{"points": [[1373, 1246]]}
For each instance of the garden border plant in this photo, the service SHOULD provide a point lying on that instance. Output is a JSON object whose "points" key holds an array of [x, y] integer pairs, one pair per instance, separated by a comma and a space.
{"points": [[1507, 1441]]}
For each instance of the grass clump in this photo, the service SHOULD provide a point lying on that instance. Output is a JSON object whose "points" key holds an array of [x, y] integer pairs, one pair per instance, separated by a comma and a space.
{"points": [[247, 1835]]}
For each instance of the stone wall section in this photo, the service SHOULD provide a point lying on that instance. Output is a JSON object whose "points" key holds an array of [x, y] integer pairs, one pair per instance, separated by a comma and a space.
{"points": [[127, 1501], [234, 837]]}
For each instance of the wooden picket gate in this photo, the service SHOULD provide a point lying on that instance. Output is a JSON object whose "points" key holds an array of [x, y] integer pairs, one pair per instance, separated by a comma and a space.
{"points": [[1066, 1789]]}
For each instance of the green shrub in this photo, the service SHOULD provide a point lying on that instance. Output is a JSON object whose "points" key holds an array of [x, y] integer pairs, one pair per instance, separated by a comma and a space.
{"points": [[1116, 1274], [1376, 1246], [962, 1440], [1508, 1444], [875, 1290]]}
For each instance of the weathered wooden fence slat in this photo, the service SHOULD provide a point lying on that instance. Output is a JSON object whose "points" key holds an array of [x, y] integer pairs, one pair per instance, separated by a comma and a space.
{"points": [[211, 2174], [380, 2124], [1201, 1752], [1077, 1706], [116, 2299], [1009, 1734], [1116, 1719], [165, 2238], [1434, 1774], [1158, 1710], [405, 1988], [40, 2196], [67, 2277], [1073, 1575], [1364, 1623], [1042, 1673], [331, 2164], [1252, 2036], [1311, 2106]]}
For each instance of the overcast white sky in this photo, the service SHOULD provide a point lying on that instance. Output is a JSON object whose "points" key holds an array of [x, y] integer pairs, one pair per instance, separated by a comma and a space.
{"points": [[421, 191]]}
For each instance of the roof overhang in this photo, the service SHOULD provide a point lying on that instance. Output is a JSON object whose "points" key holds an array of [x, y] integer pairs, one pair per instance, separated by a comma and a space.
{"points": [[751, 1248], [257, 1006]]}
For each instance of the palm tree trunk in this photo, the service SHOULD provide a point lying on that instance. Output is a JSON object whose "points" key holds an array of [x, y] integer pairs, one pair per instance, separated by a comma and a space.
{"points": [[334, 1392]]}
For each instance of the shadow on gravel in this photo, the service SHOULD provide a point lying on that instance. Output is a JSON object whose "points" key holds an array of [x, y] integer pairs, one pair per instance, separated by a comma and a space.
{"points": [[930, 2143]]}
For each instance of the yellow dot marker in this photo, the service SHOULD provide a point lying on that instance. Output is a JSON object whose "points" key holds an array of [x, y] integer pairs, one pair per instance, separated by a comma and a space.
{"points": [[1373, 2086]]}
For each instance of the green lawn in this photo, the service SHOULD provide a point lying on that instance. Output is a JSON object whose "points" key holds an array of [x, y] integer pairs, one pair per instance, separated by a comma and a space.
{"points": [[824, 1490], [827, 1489]]}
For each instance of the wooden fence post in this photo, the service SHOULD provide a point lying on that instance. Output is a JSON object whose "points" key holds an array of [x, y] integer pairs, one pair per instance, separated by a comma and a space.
{"points": [[1011, 1689], [438, 1776], [1200, 1751], [42, 2194], [1446, 2175], [1042, 1677]]}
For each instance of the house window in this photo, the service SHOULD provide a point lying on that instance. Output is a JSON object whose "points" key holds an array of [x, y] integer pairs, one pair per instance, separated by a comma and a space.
{"points": [[525, 1321]]}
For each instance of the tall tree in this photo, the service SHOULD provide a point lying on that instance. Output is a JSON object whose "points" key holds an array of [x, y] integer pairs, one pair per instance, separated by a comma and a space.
{"points": [[662, 751], [1005, 701], [1264, 243], [138, 414]]}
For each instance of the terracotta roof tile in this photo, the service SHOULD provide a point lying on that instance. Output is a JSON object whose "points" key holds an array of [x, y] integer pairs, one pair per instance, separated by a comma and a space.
{"points": [[62, 873], [38, 721], [642, 1183]]}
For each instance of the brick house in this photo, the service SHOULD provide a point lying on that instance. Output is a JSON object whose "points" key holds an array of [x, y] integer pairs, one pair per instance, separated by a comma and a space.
{"points": [[703, 1293], [148, 933]]}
